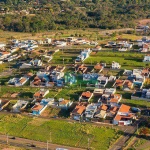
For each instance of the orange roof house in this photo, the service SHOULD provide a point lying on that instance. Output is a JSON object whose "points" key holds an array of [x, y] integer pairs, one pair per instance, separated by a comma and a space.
{"points": [[37, 107], [124, 108], [119, 83], [128, 84], [82, 68], [78, 111], [124, 116], [40, 94], [86, 96], [115, 99], [104, 107], [98, 67]]}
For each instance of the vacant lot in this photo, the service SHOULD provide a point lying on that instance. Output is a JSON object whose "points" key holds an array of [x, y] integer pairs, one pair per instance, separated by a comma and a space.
{"points": [[127, 60], [72, 134]]}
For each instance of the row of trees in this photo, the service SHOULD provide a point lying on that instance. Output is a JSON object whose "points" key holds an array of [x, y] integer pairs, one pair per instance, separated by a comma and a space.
{"points": [[69, 14]]}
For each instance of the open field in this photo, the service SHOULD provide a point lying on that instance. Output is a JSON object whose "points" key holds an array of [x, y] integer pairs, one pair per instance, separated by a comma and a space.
{"points": [[136, 103], [71, 134], [127, 60], [92, 34]]}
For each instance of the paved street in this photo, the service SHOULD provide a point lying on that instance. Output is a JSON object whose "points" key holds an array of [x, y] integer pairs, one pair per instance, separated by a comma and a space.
{"points": [[21, 142]]}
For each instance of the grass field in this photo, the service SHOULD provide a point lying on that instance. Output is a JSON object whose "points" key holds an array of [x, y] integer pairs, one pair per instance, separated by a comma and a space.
{"points": [[71, 134], [127, 60], [136, 103]]}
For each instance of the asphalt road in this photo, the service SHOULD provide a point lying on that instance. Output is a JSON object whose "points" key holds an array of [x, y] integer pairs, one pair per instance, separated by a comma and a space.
{"points": [[21, 142], [128, 132]]}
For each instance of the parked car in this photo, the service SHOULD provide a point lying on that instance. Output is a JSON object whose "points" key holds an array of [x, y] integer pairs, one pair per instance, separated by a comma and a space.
{"points": [[31, 145]]}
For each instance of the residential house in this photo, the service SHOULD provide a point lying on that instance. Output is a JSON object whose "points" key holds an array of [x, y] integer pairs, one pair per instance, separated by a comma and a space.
{"points": [[137, 78], [97, 48], [101, 81], [143, 94], [3, 104], [98, 92], [38, 108], [123, 117], [86, 96], [115, 65], [64, 104], [145, 48], [146, 58], [60, 43], [146, 72], [78, 111], [90, 76], [41, 79], [127, 72], [19, 81], [40, 94], [70, 78], [59, 68], [110, 91], [128, 85], [84, 54], [100, 114], [90, 111], [114, 100], [112, 111], [82, 68], [20, 105], [2, 46], [4, 55], [119, 83], [98, 67], [32, 63]]}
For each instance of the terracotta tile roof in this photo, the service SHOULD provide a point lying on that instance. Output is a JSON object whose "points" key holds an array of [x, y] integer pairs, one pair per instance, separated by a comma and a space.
{"points": [[115, 98], [30, 74], [128, 83], [119, 82], [118, 118], [145, 71], [36, 78], [103, 107], [87, 94], [98, 66], [22, 80], [38, 94], [64, 102], [114, 109], [37, 107], [124, 108], [79, 109], [5, 53], [145, 46]]}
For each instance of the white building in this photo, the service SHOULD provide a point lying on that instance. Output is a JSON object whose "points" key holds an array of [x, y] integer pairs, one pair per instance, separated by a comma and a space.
{"points": [[115, 65], [146, 58]]}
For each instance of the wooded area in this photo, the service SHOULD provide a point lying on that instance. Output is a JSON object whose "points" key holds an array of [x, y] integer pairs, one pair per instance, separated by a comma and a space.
{"points": [[59, 15]]}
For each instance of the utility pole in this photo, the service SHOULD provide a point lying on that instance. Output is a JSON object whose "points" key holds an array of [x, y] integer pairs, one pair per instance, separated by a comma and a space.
{"points": [[88, 143], [7, 138], [0, 86], [50, 137], [137, 127], [63, 60], [47, 144]]}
